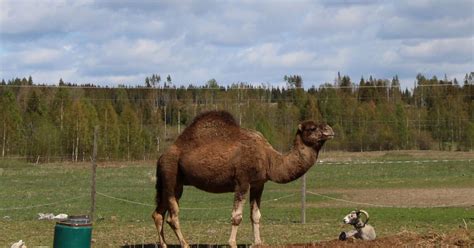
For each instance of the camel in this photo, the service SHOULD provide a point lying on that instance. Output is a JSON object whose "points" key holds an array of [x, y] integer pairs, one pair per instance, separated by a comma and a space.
{"points": [[216, 155]]}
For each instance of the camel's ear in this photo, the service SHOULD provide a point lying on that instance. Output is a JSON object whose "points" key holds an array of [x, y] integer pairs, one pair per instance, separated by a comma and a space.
{"points": [[300, 127]]}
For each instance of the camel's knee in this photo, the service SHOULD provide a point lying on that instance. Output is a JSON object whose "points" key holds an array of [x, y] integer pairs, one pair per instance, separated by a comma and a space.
{"points": [[169, 220], [236, 219], [173, 221], [255, 217], [157, 217]]}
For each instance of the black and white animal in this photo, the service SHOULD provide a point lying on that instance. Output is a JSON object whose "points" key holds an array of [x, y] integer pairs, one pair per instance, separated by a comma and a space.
{"points": [[362, 230]]}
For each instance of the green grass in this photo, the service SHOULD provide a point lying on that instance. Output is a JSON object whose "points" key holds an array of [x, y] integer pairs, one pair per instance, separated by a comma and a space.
{"points": [[403, 175], [119, 223]]}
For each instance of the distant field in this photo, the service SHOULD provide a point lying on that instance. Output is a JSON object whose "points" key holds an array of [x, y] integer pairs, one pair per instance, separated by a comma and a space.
{"points": [[402, 191]]}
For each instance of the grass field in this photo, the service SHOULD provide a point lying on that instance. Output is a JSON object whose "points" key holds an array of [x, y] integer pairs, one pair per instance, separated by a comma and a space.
{"points": [[409, 191]]}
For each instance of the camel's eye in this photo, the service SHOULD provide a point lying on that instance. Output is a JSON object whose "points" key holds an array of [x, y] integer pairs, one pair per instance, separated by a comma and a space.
{"points": [[312, 129]]}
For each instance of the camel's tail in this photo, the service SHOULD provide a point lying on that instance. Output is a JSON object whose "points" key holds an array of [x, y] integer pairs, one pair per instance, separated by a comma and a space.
{"points": [[159, 184]]}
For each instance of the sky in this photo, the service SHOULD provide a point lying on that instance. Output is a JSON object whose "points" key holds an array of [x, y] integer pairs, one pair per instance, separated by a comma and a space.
{"points": [[111, 42]]}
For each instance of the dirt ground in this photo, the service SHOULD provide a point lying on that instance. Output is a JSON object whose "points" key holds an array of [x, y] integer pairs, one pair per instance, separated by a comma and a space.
{"points": [[438, 197], [335, 156], [459, 238]]}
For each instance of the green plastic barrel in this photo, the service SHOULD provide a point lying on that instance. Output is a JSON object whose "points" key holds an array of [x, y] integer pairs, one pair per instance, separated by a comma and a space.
{"points": [[75, 232]]}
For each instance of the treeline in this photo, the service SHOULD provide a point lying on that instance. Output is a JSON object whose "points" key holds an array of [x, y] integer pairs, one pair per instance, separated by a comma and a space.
{"points": [[49, 123]]}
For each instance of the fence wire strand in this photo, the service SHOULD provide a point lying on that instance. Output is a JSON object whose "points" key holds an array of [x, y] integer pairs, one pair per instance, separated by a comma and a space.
{"points": [[386, 206], [43, 205]]}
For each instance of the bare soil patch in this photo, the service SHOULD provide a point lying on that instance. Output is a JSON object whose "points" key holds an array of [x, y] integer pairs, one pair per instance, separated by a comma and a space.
{"points": [[437, 197], [458, 238], [338, 156]]}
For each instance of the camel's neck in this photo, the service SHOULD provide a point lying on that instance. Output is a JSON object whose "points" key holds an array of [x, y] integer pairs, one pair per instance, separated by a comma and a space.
{"points": [[294, 164]]}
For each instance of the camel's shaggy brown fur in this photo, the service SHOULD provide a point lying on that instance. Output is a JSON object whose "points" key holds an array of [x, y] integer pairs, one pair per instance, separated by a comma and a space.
{"points": [[216, 155]]}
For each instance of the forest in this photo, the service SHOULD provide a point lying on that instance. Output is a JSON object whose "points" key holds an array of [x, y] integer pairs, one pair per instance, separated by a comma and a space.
{"points": [[43, 123]]}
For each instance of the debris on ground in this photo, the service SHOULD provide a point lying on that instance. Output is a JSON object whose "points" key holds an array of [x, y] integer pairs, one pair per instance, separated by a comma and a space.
{"points": [[51, 216], [19, 244]]}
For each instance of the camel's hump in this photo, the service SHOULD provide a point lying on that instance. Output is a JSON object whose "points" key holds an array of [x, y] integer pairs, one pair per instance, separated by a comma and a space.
{"points": [[210, 126], [223, 117]]}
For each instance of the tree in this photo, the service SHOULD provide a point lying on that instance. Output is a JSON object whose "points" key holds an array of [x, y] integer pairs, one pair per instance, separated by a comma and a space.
{"points": [[80, 120], [295, 81], [168, 81], [153, 81], [109, 131], [61, 101], [310, 110], [34, 105], [46, 122], [147, 82], [10, 125], [130, 138], [346, 85], [212, 84]]}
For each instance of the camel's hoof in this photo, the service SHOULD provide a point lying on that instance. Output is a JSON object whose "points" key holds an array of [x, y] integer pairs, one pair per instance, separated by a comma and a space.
{"points": [[256, 244], [233, 244]]}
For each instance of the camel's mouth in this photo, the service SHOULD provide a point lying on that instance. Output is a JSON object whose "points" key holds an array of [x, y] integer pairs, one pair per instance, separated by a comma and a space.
{"points": [[326, 137], [329, 136], [328, 133]]}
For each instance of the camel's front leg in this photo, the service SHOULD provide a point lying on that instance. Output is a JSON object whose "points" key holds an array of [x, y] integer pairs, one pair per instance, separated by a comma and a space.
{"points": [[255, 196], [239, 201]]}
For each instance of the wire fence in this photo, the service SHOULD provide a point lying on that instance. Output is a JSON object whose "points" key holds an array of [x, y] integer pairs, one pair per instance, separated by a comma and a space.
{"points": [[148, 205]]}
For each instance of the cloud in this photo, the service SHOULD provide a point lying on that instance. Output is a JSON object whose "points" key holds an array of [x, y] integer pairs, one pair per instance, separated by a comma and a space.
{"points": [[433, 9], [125, 57], [270, 54], [428, 20], [40, 56], [439, 51], [402, 28], [124, 41], [345, 20]]}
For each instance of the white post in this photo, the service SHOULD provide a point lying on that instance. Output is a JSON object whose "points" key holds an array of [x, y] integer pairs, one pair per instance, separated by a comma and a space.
{"points": [[303, 200], [94, 169], [165, 125], [179, 122]]}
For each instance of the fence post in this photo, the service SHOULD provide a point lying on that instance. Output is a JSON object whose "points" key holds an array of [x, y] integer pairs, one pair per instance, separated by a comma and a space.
{"points": [[303, 200], [94, 169]]}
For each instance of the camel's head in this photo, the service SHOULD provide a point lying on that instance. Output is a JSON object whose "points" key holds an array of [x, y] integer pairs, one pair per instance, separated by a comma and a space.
{"points": [[314, 134]]}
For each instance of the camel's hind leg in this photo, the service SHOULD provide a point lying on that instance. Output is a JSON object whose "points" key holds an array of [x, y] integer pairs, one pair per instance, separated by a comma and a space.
{"points": [[158, 217], [173, 219], [172, 188], [161, 205]]}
